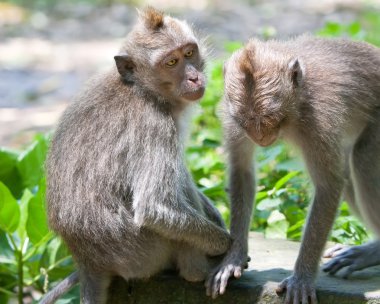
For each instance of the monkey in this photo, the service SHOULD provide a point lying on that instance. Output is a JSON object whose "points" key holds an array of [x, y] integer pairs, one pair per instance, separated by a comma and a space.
{"points": [[323, 96], [118, 190]]}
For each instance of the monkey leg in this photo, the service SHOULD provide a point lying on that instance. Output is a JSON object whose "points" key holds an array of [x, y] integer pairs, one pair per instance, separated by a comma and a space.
{"points": [[349, 196], [93, 287], [193, 265], [365, 168]]}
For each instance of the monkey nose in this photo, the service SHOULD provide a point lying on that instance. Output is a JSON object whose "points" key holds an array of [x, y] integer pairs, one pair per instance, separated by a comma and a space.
{"points": [[194, 79]]}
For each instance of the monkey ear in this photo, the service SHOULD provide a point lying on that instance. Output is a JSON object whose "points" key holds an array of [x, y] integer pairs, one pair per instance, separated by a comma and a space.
{"points": [[125, 66], [296, 72]]}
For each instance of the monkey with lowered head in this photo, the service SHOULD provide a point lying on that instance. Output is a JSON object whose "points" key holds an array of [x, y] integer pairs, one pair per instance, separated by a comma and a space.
{"points": [[324, 96], [118, 191]]}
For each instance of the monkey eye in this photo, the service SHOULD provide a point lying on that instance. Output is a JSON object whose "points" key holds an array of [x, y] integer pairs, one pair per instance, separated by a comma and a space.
{"points": [[172, 62], [189, 53]]}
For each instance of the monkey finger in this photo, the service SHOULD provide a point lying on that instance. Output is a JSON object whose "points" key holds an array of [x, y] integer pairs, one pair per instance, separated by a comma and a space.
{"points": [[296, 299], [305, 296], [224, 280], [349, 270], [288, 297], [208, 284], [313, 298], [216, 285], [335, 265], [334, 251], [248, 259], [238, 272], [281, 287]]}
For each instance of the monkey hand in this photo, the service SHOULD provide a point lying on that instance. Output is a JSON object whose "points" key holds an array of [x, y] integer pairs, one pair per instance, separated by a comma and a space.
{"points": [[232, 265], [298, 289], [352, 258]]}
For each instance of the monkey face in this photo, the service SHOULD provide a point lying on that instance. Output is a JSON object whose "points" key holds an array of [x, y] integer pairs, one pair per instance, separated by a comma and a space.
{"points": [[260, 90], [181, 73], [163, 55]]}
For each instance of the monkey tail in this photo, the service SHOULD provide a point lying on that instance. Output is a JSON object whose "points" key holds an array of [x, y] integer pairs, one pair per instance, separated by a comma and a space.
{"points": [[60, 289]]}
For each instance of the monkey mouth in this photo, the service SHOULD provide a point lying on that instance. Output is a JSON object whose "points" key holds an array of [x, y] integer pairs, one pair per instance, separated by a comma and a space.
{"points": [[194, 95]]}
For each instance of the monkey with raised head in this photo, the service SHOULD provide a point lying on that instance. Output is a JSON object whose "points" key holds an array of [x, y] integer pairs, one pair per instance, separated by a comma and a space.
{"points": [[118, 191], [323, 95]]}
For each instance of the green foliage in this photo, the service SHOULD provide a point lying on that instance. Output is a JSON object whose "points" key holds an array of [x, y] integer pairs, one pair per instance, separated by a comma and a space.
{"points": [[366, 28], [29, 252]]}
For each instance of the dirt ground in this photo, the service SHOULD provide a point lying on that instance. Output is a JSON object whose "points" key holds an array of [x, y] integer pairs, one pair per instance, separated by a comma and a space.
{"points": [[45, 56]]}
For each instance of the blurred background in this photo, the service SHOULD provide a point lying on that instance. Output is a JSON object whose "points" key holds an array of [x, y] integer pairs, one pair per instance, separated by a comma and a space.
{"points": [[48, 49]]}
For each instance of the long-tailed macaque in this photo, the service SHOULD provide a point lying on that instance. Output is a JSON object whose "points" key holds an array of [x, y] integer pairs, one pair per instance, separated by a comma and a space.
{"points": [[118, 191], [324, 96]]}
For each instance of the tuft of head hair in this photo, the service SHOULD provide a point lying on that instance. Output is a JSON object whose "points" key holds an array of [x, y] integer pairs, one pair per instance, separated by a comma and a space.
{"points": [[152, 18], [245, 61]]}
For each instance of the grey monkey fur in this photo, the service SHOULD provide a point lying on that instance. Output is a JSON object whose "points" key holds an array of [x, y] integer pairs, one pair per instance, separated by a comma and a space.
{"points": [[118, 190]]}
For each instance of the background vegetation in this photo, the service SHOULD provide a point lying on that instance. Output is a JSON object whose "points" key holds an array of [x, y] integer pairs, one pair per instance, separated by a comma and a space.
{"points": [[31, 257]]}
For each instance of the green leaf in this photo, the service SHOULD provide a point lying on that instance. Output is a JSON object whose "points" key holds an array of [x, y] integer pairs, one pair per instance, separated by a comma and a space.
{"points": [[6, 251], [354, 28], [261, 195], [9, 210], [269, 203], [4, 298], [232, 46], [282, 181], [331, 29], [9, 174], [31, 162], [24, 202], [277, 226], [36, 225], [217, 190]]}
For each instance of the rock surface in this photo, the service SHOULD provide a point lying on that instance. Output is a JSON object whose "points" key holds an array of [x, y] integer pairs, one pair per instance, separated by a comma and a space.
{"points": [[272, 261]]}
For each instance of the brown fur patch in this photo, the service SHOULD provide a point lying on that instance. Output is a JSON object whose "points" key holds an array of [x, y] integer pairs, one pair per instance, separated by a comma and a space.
{"points": [[152, 18], [245, 61]]}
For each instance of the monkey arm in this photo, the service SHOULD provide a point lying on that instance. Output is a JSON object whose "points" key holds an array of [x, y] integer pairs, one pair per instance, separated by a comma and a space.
{"points": [[327, 174], [241, 190], [165, 201], [184, 223], [211, 211]]}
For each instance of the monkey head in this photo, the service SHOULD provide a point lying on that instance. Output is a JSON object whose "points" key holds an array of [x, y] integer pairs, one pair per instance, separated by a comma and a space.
{"points": [[261, 88], [162, 54]]}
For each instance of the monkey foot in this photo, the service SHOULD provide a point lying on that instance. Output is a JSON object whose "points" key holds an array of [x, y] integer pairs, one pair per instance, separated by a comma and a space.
{"points": [[298, 290], [231, 266], [352, 258]]}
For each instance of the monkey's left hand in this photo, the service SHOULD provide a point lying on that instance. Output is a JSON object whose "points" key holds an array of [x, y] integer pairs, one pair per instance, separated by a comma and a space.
{"points": [[232, 265], [298, 290]]}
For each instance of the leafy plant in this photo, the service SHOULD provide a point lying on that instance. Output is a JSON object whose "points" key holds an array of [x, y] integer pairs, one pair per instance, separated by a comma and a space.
{"points": [[29, 251]]}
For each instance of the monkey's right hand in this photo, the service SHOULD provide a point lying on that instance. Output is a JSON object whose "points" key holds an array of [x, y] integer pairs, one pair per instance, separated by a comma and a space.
{"points": [[232, 265]]}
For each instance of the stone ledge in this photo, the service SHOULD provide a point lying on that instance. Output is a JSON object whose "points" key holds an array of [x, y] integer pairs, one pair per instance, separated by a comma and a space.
{"points": [[272, 261]]}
